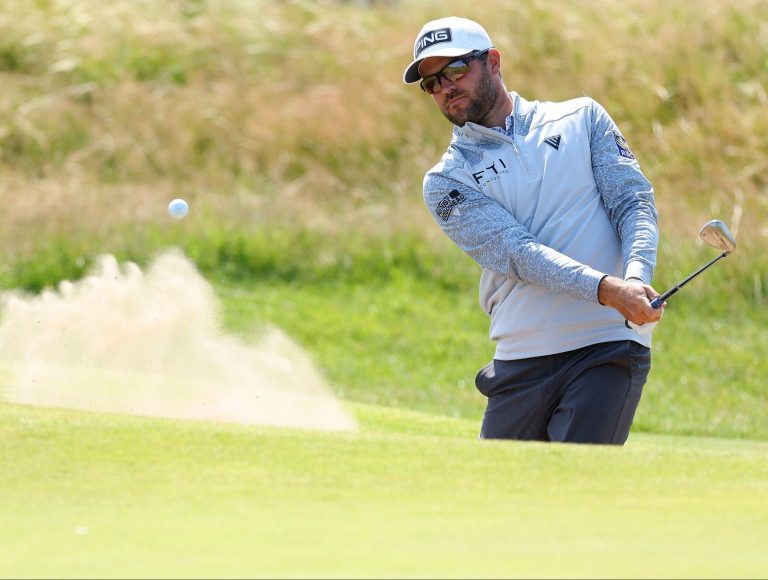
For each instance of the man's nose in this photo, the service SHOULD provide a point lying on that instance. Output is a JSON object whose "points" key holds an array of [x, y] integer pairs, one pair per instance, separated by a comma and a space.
{"points": [[446, 86]]}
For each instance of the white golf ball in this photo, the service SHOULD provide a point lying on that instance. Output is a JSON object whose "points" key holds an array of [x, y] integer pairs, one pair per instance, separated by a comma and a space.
{"points": [[178, 208]]}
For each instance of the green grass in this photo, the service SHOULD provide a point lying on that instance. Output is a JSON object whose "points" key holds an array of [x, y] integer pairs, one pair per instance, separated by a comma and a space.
{"points": [[404, 343], [400, 326], [414, 344], [410, 495], [413, 493]]}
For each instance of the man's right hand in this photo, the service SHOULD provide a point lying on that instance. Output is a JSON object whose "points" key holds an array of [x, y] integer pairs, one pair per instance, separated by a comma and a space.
{"points": [[632, 299]]}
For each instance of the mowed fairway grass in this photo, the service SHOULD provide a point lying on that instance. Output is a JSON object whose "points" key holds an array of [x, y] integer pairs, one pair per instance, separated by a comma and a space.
{"points": [[411, 494]]}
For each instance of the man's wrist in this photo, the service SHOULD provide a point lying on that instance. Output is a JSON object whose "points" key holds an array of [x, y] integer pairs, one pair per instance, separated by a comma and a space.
{"points": [[601, 289]]}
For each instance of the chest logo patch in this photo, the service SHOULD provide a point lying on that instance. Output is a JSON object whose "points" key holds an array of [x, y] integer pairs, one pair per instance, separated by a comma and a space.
{"points": [[446, 206], [553, 142], [621, 143]]}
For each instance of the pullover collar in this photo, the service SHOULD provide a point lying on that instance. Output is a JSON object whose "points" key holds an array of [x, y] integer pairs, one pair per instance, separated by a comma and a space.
{"points": [[517, 123]]}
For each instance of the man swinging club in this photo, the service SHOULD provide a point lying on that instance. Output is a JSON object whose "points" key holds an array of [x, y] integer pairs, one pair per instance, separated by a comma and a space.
{"points": [[549, 200]]}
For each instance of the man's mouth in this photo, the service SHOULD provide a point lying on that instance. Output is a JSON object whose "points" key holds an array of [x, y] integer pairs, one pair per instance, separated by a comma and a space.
{"points": [[455, 100]]}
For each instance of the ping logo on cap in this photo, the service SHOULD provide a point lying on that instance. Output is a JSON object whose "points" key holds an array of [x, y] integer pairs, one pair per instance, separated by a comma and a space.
{"points": [[431, 38]]}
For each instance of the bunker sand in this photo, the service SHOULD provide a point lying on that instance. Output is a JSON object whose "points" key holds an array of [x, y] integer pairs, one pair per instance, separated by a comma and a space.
{"points": [[152, 344]]}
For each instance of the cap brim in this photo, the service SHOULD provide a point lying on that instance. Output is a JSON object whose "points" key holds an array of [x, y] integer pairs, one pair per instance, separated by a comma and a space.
{"points": [[412, 74]]}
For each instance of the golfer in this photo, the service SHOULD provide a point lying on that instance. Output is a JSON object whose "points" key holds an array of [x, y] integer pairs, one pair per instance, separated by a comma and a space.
{"points": [[548, 198]]}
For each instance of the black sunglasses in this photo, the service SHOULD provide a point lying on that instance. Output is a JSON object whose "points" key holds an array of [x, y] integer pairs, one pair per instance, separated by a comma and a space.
{"points": [[452, 71]]}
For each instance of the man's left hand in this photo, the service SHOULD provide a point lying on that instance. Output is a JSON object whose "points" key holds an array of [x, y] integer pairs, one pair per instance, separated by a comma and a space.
{"points": [[631, 298]]}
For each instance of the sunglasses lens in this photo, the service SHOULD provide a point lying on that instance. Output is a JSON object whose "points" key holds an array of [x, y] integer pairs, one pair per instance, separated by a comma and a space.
{"points": [[454, 73], [451, 72], [431, 84]]}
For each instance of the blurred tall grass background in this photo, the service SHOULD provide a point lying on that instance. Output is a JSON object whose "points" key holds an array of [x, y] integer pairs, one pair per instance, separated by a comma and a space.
{"points": [[289, 119], [287, 127]]}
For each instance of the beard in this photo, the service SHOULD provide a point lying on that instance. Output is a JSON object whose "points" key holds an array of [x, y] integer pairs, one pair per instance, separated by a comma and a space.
{"points": [[480, 102]]}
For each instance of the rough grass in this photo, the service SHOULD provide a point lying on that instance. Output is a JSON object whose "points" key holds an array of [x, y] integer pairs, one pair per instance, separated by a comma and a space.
{"points": [[295, 112]]}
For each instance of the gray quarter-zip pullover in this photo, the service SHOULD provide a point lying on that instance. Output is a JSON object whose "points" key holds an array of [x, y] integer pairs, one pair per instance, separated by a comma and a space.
{"points": [[547, 208]]}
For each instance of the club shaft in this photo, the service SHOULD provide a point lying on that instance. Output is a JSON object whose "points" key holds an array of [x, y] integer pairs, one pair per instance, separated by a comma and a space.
{"points": [[661, 299]]}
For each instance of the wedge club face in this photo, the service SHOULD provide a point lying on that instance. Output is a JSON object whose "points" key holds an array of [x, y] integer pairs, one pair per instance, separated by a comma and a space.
{"points": [[716, 234]]}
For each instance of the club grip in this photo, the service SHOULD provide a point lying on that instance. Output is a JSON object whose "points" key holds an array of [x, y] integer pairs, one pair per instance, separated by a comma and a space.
{"points": [[657, 302]]}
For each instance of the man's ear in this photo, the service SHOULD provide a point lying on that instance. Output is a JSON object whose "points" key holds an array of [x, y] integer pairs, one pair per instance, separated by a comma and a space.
{"points": [[494, 58]]}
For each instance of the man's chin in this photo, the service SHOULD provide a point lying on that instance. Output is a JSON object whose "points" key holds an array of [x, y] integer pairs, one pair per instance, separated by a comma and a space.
{"points": [[455, 115], [459, 120]]}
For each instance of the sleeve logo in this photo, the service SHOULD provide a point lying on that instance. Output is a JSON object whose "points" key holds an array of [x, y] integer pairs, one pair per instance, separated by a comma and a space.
{"points": [[621, 143], [448, 203]]}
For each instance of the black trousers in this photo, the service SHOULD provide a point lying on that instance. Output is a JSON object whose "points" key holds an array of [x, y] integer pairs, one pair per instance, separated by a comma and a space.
{"points": [[588, 395]]}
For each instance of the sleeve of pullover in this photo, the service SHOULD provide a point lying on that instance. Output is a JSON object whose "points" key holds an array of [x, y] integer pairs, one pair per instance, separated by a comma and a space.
{"points": [[496, 241], [627, 195]]}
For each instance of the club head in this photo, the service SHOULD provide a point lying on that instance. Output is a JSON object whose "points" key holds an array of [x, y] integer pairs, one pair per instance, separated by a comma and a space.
{"points": [[716, 233]]}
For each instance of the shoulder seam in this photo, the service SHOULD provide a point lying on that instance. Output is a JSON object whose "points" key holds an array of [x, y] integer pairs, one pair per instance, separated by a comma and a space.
{"points": [[567, 114]]}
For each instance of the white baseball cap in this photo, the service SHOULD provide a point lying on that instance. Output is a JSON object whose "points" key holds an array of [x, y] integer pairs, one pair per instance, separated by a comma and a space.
{"points": [[450, 36]]}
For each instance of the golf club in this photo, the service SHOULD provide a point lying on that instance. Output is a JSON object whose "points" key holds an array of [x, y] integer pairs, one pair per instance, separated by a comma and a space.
{"points": [[716, 234]]}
